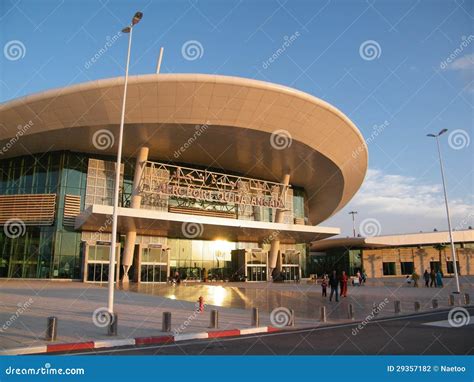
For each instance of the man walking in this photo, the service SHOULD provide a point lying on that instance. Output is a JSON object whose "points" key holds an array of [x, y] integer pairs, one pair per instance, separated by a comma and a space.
{"points": [[432, 278], [426, 277], [333, 283]]}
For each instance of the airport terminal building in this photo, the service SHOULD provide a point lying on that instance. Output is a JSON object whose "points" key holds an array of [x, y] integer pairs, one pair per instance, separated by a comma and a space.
{"points": [[222, 178]]}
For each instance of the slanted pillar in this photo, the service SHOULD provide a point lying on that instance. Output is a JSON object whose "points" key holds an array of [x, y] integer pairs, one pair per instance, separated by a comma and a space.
{"points": [[131, 234], [275, 255]]}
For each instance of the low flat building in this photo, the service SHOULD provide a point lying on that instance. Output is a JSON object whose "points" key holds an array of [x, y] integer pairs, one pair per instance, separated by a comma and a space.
{"points": [[395, 255]]}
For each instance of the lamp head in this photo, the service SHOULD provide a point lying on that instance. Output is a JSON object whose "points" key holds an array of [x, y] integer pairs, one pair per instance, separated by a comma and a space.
{"points": [[137, 17], [442, 131]]}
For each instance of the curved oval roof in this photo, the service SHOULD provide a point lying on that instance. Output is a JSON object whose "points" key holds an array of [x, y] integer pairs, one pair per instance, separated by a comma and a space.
{"points": [[326, 154]]}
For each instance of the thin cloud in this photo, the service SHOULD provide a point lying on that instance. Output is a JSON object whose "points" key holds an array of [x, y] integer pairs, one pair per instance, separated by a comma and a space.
{"points": [[463, 63], [403, 204], [403, 195]]}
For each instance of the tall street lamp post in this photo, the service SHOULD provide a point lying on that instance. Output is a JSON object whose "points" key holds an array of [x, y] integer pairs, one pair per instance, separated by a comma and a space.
{"points": [[353, 213], [453, 250], [129, 29]]}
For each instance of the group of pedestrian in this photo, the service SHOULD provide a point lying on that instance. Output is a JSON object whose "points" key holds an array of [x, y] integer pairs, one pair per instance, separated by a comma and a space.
{"points": [[433, 279], [334, 281]]}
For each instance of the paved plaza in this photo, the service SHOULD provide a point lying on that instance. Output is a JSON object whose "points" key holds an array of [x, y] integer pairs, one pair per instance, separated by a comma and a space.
{"points": [[25, 306]]}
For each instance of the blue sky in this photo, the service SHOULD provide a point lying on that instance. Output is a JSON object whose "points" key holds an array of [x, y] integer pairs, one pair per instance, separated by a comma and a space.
{"points": [[408, 86]]}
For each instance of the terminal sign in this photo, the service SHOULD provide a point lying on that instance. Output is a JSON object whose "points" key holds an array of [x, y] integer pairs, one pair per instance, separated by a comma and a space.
{"points": [[187, 183]]}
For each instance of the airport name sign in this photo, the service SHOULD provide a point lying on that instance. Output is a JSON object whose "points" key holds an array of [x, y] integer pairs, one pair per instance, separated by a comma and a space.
{"points": [[188, 183]]}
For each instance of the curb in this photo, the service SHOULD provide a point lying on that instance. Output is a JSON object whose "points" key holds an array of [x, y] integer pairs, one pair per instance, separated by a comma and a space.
{"points": [[154, 340]]}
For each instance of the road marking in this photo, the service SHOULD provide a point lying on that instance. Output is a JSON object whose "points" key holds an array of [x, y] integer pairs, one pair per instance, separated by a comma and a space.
{"points": [[281, 333], [111, 343], [447, 324]]}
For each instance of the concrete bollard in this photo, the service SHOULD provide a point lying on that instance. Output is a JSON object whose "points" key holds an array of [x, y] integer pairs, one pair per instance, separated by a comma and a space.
{"points": [[322, 314], [255, 317], [397, 306], [112, 328], [451, 300], [417, 306], [52, 329], [434, 303], [467, 299], [214, 323], [292, 318], [166, 322], [350, 311]]}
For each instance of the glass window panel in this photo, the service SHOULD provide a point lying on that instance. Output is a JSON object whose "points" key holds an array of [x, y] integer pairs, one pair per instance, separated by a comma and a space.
{"points": [[407, 268], [389, 269]]}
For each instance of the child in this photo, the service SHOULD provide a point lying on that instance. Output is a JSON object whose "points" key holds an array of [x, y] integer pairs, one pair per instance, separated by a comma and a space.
{"points": [[324, 285]]}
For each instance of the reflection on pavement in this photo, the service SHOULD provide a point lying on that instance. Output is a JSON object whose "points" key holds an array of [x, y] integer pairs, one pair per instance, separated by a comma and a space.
{"points": [[304, 303]]}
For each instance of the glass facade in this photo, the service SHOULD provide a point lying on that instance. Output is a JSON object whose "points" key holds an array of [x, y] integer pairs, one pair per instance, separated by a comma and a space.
{"points": [[56, 250], [339, 259], [193, 258], [43, 251]]}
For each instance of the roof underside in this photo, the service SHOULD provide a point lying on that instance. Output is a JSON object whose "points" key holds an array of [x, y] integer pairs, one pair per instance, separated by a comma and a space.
{"points": [[326, 154]]}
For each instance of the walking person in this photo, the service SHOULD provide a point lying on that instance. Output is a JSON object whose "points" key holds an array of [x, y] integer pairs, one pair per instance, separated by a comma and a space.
{"points": [[426, 277], [177, 278], [334, 283], [324, 286], [439, 279], [359, 277], [432, 278], [344, 284]]}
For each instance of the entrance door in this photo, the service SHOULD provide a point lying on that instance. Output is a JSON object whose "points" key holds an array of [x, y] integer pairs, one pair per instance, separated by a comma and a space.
{"points": [[154, 265], [256, 273], [98, 263], [153, 273], [291, 272]]}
